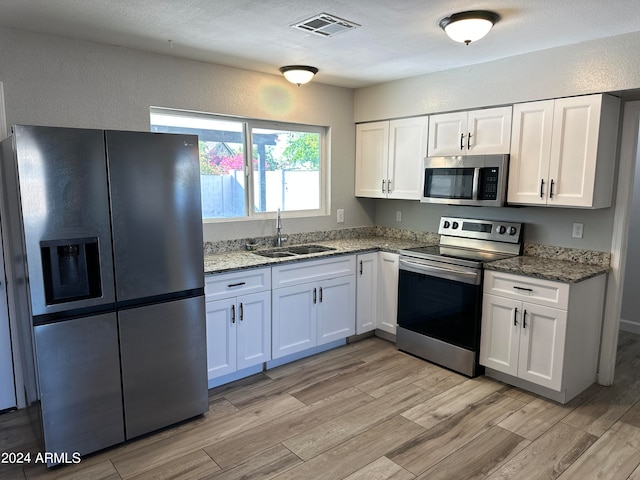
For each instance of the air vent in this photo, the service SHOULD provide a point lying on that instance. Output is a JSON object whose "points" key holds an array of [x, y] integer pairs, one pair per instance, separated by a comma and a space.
{"points": [[325, 25]]}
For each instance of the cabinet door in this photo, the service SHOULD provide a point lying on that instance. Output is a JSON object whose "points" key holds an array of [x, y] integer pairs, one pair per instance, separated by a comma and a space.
{"points": [[499, 340], [489, 131], [254, 329], [446, 134], [293, 319], [372, 153], [336, 307], [542, 340], [388, 292], [574, 148], [530, 153], [407, 149], [366, 292], [221, 337]]}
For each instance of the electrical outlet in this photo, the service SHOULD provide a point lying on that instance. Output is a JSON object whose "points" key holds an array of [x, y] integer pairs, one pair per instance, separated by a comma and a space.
{"points": [[578, 229], [399, 216], [340, 215]]}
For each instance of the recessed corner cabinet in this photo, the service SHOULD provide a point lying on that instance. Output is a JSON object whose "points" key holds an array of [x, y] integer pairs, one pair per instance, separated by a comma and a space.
{"points": [[563, 152], [389, 158], [475, 132], [541, 335]]}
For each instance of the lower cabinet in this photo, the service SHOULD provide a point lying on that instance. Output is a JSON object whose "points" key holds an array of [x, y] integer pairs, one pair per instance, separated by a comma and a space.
{"points": [[387, 297], [366, 292], [238, 326], [541, 335], [313, 303]]}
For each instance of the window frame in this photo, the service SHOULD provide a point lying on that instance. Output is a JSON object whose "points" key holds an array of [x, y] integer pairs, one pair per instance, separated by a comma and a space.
{"points": [[248, 124]]}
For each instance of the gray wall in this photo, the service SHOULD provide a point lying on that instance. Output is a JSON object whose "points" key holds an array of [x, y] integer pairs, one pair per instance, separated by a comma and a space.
{"points": [[631, 295], [608, 65], [51, 80]]}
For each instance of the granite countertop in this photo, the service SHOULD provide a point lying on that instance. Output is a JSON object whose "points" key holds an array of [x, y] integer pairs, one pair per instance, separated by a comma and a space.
{"points": [[239, 260], [548, 268]]}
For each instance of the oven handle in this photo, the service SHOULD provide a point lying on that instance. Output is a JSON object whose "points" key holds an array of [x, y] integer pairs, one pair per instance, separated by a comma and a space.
{"points": [[458, 274]]}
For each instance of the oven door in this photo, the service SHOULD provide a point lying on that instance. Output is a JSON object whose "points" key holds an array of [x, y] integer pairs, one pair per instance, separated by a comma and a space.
{"points": [[440, 301]]}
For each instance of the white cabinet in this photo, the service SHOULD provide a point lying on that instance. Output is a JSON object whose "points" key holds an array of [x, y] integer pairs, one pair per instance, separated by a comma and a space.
{"points": [[476, 132], [238, 315], [541, 335], [563, 151], [389, 158], [366, 292], [387, 302], [313, 303]]}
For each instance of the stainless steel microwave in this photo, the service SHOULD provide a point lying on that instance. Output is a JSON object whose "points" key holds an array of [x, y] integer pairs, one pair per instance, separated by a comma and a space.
{"points": [[465, 180]]}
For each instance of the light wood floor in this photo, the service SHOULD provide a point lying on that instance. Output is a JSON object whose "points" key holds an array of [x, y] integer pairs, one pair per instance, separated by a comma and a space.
{"points": [[367, 411]]}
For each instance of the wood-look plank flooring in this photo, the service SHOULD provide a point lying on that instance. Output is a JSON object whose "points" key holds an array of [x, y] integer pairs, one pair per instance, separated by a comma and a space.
{"points": [[366, 411]]}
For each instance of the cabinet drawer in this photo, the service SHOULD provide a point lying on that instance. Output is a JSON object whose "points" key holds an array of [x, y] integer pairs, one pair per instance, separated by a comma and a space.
{"points": [[529, 289], [313, 271], [226, 285]]}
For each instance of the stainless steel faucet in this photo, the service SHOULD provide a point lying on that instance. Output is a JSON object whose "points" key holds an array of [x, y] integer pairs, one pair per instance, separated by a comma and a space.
{"points": [[279, 237]]}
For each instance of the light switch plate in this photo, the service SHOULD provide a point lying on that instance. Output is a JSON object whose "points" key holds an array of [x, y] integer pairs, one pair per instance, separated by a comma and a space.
{"points": [[398, 216], [340, 215]]}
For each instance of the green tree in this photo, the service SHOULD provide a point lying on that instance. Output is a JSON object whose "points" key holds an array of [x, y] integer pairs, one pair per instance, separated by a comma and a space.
{"points": [[302, 151]]}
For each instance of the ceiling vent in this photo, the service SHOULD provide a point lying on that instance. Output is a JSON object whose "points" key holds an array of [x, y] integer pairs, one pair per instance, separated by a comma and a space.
{"points": [[325, 25]]}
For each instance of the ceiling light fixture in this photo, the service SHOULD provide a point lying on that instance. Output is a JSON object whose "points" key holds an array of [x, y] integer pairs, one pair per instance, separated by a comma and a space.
{"points": [[467, 27], [298, 74]]}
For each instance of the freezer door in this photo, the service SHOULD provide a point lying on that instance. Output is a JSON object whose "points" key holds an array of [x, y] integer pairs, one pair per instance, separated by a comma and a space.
{"points": [[61, 180], [164, 364], [154, 182], [79, 375]]}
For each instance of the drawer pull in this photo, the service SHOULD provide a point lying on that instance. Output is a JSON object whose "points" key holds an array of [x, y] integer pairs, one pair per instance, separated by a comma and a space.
{"points": [[523, 289], [515, 317], [231, 285]]}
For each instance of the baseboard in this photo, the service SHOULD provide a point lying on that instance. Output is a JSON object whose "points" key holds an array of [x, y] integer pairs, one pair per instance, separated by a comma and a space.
{"points": [[629, 326]]}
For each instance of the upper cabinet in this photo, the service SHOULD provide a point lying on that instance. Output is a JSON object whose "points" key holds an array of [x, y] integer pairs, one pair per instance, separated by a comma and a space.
{"points": [[477, 132], [389, 158], [563, 152]]}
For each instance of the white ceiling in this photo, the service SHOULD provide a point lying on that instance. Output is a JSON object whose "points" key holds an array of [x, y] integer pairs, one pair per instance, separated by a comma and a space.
{"points": [[396, 39]]}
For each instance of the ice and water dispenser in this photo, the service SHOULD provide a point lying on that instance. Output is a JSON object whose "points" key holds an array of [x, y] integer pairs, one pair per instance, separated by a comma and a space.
{"points": [[71, 269]]}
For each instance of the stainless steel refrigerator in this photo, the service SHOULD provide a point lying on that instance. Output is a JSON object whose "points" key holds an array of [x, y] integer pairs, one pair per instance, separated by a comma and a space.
{"points": [[103, 232]]}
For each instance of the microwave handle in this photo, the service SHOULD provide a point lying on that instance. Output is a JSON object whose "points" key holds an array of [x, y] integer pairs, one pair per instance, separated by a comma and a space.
{"points": [[476, 184]]}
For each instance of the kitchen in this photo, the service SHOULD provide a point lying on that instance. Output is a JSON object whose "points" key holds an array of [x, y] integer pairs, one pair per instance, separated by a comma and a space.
{"points": [[74, 83]]}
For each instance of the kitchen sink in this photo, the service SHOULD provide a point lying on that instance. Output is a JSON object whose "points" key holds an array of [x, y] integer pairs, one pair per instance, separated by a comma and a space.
{"points": [[293, 251], [306, 249], [275, 254]]}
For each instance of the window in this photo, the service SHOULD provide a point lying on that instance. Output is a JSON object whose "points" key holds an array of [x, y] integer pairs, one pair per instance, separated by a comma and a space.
{"points": [[286, 171]]}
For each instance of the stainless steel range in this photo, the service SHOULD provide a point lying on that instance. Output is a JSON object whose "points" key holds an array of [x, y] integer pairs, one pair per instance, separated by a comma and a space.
{"points": [[440, 290]]}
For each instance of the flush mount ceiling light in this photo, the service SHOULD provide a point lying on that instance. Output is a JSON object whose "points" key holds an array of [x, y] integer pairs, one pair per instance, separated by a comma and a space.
{"points": [[298, 74], [467, 27]]}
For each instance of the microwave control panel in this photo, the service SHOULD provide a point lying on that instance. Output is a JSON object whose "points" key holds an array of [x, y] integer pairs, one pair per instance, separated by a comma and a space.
{"points": [[488, 185]]}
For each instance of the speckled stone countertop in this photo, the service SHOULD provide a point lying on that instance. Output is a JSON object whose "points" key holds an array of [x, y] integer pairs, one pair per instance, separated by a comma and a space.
{"points": [[239, 260], [565, 271]]}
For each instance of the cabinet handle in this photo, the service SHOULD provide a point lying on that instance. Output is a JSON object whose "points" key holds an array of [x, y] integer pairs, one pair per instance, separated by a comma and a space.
{"points": [[314, 296], [541, 187], [551, 189], [233, 314], [469, 141], [360, 267], [462, 141], [524, 319], [388, 186], [241, 312], [515, 317], [524, 289], [320, 294], [231, 285], [383, 182]]}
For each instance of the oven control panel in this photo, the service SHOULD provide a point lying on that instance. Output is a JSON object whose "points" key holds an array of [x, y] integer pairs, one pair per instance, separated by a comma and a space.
{"points": [[493, 230]]}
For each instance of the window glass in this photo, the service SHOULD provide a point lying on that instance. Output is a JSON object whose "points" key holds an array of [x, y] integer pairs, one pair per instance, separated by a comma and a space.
{"points": [[286, 170]]}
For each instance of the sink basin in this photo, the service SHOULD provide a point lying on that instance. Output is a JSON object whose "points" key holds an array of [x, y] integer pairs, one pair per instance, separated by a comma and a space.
{"points": [[293, 251], [306, 249], [276, 254]]}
